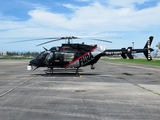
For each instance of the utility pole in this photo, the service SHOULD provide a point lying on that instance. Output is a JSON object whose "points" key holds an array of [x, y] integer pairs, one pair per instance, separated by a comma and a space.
{"points": [[133, 48]]}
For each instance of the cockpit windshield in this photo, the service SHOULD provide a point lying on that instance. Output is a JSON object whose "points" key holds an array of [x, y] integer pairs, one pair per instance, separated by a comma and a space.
{"points": [[41, 55]]}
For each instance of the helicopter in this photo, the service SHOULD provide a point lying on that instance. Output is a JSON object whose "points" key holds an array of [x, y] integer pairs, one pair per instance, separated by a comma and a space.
{"points": [[68, 55], [76, 55]]}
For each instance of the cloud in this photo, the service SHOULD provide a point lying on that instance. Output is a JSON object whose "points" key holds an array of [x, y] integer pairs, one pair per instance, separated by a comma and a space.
{"points": [[93, 19], [71, 6], [123, 3], [82, 0], [99, 17], [32, 5], [3, 17]]}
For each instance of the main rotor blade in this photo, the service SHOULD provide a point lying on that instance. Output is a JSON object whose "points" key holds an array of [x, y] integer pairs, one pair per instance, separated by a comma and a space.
{"points": [[99, 37], [30, 40], [48, 42], [102, 40], [61, 38], [56, 39]]}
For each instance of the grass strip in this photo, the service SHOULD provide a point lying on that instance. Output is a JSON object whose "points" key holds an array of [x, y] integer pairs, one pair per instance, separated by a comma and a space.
{"points": [[136, 61]]}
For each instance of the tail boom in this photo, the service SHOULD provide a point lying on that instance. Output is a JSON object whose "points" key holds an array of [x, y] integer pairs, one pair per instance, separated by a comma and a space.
{"points": [[129, 51]]}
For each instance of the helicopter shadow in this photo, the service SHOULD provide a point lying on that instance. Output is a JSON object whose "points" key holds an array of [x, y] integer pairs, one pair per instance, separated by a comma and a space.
{"points": [[63, 75], [66, 73]]}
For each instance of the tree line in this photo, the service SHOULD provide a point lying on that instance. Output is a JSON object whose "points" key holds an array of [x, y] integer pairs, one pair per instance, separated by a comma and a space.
{"points": [[25, 54]]}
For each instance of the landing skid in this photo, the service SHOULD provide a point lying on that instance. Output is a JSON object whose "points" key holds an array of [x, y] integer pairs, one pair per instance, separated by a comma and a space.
{"points": [[77, 71], [49, 71], [92, 67], [63, 71]]}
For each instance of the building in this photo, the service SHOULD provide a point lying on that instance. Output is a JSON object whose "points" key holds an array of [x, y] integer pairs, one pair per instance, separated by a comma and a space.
{"points": [[3, 53], [158, 53]]}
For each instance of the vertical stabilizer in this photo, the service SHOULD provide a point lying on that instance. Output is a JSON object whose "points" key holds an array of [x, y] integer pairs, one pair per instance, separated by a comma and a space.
{"points": [[148, 49]]}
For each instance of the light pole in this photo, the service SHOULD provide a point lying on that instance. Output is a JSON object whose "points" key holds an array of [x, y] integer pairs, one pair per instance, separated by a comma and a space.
{"points": [[132, 45], [133, 48]]}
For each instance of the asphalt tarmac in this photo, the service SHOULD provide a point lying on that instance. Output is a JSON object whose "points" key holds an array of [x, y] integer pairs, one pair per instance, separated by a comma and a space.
{"points": [[112, 91]]}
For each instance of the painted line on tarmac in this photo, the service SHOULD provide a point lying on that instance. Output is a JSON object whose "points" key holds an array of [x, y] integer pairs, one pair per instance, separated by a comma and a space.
{"points": [[97, 76], [136, 66]]}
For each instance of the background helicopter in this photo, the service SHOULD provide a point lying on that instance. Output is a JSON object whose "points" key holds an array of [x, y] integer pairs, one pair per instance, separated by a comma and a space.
{"points": [[75, 55]]}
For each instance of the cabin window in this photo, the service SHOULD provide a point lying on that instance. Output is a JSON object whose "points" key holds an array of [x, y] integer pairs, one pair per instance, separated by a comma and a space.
{"points": [[68, 57], [49, 56]]}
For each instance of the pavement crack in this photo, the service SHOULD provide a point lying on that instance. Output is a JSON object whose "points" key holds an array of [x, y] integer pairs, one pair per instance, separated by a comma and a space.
{"points": [[10, 90], [147, 89]]}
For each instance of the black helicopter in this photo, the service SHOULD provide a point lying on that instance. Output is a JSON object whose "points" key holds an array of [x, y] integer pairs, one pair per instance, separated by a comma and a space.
{"points": [[75, 55], [71, 55]]}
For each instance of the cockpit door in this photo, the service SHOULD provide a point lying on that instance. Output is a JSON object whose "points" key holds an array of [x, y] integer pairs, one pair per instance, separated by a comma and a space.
{"points": [[49, 58], [58, 59]]}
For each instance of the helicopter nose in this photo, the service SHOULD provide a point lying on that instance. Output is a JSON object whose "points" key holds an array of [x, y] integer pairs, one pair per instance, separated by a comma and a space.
{"points": [[34, 62]]}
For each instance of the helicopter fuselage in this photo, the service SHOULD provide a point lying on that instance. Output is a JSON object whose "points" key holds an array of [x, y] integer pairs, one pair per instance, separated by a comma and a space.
{"points": [[68, 56]]}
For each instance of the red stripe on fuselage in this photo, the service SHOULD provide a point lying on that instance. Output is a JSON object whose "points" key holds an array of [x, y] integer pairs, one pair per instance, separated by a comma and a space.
{"points": [[81, 57]]}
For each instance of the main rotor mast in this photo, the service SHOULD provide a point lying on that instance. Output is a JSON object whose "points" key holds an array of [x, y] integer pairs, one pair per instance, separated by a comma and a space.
{"points": [[69, 38]]}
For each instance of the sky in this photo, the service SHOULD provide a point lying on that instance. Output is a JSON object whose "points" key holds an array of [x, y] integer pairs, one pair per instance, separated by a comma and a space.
{"points": [[123, 22]]}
